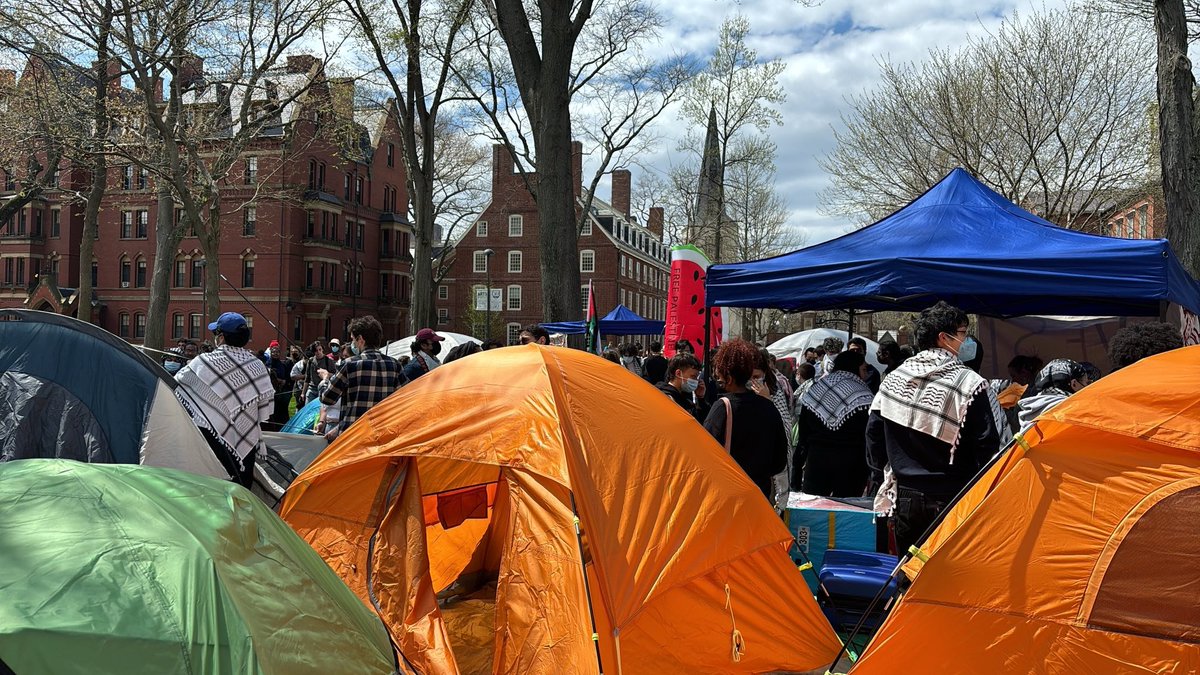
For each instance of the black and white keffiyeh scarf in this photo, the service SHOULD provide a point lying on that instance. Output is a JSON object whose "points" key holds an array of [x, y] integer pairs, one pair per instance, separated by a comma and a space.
{"points": [[836, 396], [1057, 376], [930, 393], [229, 388]]}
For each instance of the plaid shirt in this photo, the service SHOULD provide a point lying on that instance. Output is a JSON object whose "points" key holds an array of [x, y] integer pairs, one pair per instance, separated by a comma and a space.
{"points": [[363, 380]]}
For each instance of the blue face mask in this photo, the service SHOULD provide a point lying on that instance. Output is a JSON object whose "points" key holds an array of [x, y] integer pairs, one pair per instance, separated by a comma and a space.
{"points": [[172, 366], [354, 348], [691, 385], [336, 349], [968, 350]]}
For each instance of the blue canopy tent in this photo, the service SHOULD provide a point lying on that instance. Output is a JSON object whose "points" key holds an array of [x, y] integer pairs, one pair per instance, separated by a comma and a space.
{"points": [[963, 243], [620, 321]]}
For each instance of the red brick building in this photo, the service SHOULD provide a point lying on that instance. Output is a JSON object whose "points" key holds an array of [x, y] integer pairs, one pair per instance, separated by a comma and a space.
{"points": [[1143, 218], [626, 261], [314, 232]]}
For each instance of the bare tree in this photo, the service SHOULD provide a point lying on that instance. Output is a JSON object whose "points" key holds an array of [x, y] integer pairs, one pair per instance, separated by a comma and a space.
{"points": [[1177, 132], [227, 79], [68, 49], [414, 44], [581, 53], [1060, 125], [460, 187]]}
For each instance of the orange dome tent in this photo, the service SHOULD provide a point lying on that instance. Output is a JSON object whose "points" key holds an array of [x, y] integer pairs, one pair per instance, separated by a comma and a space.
{"points": [[476, 471], [1076, 553]]}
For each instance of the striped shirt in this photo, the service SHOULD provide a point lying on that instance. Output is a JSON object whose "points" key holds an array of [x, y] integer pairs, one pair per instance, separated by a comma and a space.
{"points": [[361, 382]]}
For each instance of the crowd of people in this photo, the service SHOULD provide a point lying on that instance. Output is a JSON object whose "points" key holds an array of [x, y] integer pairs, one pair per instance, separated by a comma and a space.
{"points": [[831, 424], [911, 437]]}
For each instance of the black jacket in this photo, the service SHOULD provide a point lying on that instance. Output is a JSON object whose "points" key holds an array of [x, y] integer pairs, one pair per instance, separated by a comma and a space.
{"points": [[654, 369], [922, 462], [758, 444], [699, 409], [830, 462]]}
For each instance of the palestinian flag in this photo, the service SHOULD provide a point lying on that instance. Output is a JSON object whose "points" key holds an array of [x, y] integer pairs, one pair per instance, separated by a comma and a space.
{"points": [[592, 322]]}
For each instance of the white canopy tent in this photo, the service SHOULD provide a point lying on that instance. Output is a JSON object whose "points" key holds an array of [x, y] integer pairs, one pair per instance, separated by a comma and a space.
{"points": [[403, 346], [793, 345]]}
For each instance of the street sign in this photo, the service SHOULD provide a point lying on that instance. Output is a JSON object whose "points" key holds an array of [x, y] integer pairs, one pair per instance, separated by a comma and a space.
{"points": [[481, 303]]}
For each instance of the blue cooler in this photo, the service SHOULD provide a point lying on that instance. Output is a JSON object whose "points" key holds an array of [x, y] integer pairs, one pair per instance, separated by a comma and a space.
{"points": [[851, 580], [820, 523]]}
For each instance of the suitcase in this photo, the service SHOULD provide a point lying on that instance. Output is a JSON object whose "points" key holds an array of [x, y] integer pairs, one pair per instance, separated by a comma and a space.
{"points": [[851, 579]]}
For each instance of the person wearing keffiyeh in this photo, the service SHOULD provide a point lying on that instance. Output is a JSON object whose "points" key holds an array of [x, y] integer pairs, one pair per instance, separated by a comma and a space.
{"points": [[228, 391], [1054, 383], [931, 424], [830, 456]]}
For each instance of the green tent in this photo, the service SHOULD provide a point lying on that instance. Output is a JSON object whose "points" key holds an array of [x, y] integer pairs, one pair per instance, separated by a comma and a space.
{"points": [[112, 568]]}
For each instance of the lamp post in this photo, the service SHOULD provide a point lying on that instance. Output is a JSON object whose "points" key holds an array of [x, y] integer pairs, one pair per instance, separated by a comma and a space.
{"points": [[487, 296]]}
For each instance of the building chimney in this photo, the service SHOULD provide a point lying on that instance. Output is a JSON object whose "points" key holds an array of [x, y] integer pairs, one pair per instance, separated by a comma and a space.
{"points": [[8, 78], [191, 72], [301, 63], [502, 165], [341, 94], [655, 222], [577, 167], [620, 191]]}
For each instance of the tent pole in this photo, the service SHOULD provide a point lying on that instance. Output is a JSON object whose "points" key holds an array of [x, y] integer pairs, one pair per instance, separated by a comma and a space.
{"points": [[850, 326], [587, 589], [704, 340]]}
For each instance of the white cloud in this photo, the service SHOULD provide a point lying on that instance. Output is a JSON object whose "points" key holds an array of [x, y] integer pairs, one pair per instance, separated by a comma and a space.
{"points": [[832, 51]]}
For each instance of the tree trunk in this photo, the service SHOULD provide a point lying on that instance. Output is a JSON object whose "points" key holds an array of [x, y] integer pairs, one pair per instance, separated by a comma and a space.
{"points": [[99, 167], [422, 313], [1176, 110], [556, 193], [210, 245], [166, 241]]}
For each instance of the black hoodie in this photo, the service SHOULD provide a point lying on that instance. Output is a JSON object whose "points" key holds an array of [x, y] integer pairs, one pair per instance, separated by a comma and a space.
{"points": [[698, 410]]}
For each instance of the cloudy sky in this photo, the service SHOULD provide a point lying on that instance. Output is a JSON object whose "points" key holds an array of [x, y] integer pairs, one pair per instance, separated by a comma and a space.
{"points": [[832, 50]]}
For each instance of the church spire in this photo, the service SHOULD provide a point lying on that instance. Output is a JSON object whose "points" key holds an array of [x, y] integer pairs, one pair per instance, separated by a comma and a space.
{"points": [[709, 215]]}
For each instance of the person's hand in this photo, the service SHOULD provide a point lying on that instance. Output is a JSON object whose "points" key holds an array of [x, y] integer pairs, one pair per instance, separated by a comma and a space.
{"points": [[759, 387], [323, 373], [700, 390]]}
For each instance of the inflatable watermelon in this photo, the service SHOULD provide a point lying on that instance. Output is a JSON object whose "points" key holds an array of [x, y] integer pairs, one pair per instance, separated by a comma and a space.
{"points": [[685, 302]]}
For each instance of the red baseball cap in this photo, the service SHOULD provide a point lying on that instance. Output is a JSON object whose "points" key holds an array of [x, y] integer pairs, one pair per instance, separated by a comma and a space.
{"points": [[428, 334]]}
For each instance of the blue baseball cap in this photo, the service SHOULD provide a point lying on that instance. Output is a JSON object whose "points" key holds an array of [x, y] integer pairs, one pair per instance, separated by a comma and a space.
{"points": [[228, 322]]}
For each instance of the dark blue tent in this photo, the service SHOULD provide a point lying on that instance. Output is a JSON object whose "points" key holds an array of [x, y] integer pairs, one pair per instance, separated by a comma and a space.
{"points": [[620, 321], [965, 244]]}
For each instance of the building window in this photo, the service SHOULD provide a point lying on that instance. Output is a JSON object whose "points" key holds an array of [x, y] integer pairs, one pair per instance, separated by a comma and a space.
{"points": [[127, 177], [481, 262], [621, 297], [1143, 225], [20, 271], [358, 236], [143, 224], [624, 268], [443, 292], [516, 226], [583, 297], [197, 273], [346, 185], [391, 154], [321, 176], [384, 285], [143, 178], [514, 333], [37, 223], [586, 230], [123, 325], [514, 298], [587, 262], [194, 326], [251, 176], [514, 262], [139, 325], [8, 271], [176, 326], [95, 274], [249, 221], [55, 222], [310, 227], [443, 316], [248, 273], [126, 271], [385, 242], [334, 231], [312, 174], [358, 190], [140, 278], [308, 274], [481, 228], [127, 224], [349, 233], [180, 273]]}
